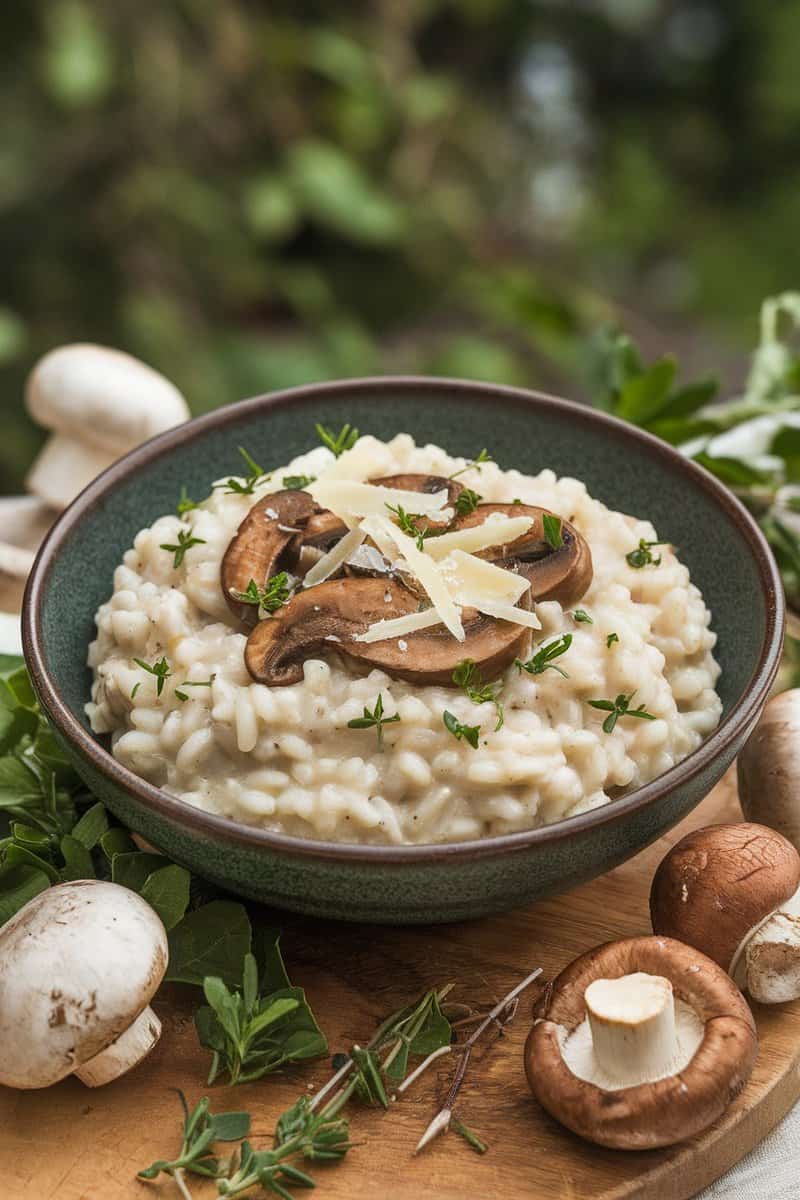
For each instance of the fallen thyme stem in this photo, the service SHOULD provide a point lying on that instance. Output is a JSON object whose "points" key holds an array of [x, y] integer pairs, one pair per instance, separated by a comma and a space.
{"points": [[423, 1066], [442, 1119], [180, 1180]]}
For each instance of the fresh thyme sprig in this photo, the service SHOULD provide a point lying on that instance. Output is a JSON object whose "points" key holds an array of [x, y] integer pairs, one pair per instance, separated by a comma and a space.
{"points": [[470, 733], [407, 522], [194, 683], [582, 617], [201, 1129], [159, 669], [542, 660], [552, 531], [612, 637], [269, 599], [186, 540], [620, 707], [467, 676], [296, 483], [374, 719], [185, 503], [467, 502], [345, 439], [255, 475], [483, 457], [643, 555]]}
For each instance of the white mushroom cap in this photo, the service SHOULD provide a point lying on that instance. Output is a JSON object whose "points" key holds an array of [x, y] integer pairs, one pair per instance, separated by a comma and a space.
{"points": [[99, 403], [78, 967]]}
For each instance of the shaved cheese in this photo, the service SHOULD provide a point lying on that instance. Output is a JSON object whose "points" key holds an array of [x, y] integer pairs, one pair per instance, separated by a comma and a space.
{"points": [[425, 569], [466, 575], [496, 530], [331, 561], [504, 612], [399, 626], [349, 499]]}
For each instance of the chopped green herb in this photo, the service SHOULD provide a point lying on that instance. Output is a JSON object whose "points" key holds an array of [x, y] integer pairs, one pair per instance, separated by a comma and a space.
{"points": [[643, 556], [255, 475], [467, 502], [201, 1129], [187, 683], [296, 483], [483, 457], [135, 689], [470, 733], [516, 500], [345, 439], [407, 524], [159, 669], [185, 503], [552, 530], [542, 660], [269, 598], [612, 637], [581, 615], [467, 1134], [374, 719], [620, 707], [467, 676], [185, 542]]}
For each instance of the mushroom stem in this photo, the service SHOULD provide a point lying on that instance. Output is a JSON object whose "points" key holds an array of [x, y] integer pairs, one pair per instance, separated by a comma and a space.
{"points": [[632, 1022], [767, 964], [126, 1052]]}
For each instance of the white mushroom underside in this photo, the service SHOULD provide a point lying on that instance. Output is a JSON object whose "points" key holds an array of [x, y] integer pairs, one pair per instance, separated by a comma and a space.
{"points": [[581, 1056], [767, 961]]}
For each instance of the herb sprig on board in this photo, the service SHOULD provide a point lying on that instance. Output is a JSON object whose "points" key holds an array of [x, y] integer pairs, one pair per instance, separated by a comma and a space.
{"points": [[201, 1129]]}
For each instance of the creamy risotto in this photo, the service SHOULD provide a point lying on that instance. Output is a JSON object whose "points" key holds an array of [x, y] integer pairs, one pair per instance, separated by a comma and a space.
{"points": [[610, 690]]}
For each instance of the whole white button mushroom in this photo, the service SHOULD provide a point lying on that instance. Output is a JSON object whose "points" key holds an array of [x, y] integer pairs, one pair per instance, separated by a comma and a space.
{"points": [[99, 403], [79, 965], [733, 891]]}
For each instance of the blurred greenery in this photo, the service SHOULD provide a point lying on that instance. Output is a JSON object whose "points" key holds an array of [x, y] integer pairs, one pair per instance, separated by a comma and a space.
{"points": [[250, 196]]}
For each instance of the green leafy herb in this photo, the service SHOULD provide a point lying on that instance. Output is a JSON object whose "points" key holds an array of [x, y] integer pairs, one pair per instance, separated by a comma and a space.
{"points": [[269, 599], [542, 660], [470, 733], [296, 483], [374, 719], [467, 1134], [612, 637], [255, 475], [620, 707], [194, 683], [467, 676], [251, 1035], [643, 556], [186, 540], [552, 530], [345, 439], [483, 457], [185, 503], [159, 669], [201, 1129], [135, 689], [408, 524], [582, 617], [467, 502], [212, 940]]}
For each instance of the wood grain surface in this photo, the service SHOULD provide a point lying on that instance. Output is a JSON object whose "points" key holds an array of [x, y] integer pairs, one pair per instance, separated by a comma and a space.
{"points": [[77, 1144]]}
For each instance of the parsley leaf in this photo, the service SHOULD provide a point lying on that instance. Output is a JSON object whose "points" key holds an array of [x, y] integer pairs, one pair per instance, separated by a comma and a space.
{"points": [[542, 660], [470, 733]]}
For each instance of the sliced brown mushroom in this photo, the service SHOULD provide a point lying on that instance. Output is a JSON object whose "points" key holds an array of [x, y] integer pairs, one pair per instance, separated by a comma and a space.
{"points": [[429, 485], [562, 574], [261, 541], [328, 617]]}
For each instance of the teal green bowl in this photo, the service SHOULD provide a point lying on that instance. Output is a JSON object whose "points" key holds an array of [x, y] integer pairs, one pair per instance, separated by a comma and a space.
{"points": [[622, 466]]}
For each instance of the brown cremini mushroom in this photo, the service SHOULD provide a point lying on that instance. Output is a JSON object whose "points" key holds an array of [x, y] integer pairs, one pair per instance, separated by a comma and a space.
{"points": [[332, 615], [263, 537], [640, 1043], [429, 485], [732, 891]]}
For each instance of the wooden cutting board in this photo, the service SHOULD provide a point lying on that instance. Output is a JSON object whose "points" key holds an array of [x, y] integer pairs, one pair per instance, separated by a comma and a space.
{"points": [[76, 1144]]}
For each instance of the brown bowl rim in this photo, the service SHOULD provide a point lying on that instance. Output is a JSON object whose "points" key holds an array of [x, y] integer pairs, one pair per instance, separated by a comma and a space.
{"points": [[741, 716]]}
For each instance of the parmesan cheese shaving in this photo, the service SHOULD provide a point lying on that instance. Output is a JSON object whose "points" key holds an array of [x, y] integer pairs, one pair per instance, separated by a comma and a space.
{"points": [[399, 626], [496, 530], [425, 569], [504, 612], [331, 561], [349, 499], [466, 575]]}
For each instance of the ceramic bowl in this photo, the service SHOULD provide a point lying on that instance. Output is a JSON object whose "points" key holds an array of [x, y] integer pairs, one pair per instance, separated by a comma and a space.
{"points": [[623, 467]]}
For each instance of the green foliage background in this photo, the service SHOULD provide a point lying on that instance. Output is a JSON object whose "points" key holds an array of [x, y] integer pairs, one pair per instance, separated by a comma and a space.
{"points": [[253, 195]]}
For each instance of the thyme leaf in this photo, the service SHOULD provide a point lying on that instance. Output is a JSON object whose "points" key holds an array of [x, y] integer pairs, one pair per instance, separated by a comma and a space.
{"points": [[255, 475], [483, 457], [201, 1129], [542, 660], [552, 530], [643, 556], [186, 540], [467, 1134], [269, 599], [467, 502], [374, 719], [582, 617], [345, 439], [612, 637], [470, 733], [620, 707], [159, 669], [185, 503], [296, 483], [467, 676]]}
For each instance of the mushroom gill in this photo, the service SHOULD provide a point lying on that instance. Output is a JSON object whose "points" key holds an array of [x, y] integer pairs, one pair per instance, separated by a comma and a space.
{"points": [[332, 615], [263, 537]]}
